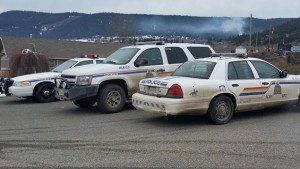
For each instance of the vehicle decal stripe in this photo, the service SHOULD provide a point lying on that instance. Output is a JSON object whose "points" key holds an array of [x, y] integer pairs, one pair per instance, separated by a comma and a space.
{"points": [[122, 73], [37, 80], [252, 93], [262, 90]]}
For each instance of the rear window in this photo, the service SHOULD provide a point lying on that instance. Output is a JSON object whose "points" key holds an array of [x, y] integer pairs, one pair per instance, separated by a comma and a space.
{"points": [[175, 55], [200, 52], [195, 69]]}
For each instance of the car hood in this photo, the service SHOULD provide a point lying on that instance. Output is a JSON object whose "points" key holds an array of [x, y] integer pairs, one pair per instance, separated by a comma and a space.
{"points": [[92, 69], [36, 76]]}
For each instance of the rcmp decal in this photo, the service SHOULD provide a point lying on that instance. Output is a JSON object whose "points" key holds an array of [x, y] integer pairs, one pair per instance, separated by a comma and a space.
{"points": [[149, 104], [222, 88], [194, 93], [154, 82]]}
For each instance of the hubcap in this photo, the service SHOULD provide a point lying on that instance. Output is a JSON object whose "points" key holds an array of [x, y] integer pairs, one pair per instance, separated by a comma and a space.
{"points": [[113, 99], [47, 93], [222, 111]]}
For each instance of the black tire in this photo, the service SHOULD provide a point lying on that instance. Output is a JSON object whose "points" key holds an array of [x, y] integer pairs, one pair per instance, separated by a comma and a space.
{"points": [[85, 103], [111, 98], [44, 93], [221, 110]]}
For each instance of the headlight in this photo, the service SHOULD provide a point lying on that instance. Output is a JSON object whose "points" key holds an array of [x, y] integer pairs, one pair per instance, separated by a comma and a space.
{"points": [[84, 80], [21, 84]]}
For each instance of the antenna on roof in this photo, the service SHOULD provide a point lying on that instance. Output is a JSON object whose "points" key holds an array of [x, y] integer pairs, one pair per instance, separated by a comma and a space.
{"points": [[151, 43]]}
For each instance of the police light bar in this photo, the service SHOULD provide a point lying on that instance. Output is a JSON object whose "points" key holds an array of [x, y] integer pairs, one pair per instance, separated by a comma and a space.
{"points": [[91, 56]]}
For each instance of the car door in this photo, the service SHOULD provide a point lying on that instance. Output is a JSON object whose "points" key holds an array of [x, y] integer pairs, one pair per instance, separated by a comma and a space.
{"points": [[242, 82], [278, 89], [152, 65]]}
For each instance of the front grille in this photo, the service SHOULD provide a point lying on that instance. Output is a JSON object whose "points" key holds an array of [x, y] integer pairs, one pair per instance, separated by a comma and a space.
{"points": [[68, 77], [7, 84]]}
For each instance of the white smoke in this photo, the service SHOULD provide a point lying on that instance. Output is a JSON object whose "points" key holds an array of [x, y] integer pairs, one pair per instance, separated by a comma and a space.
{"points": [[225, 26], [233, 25]]}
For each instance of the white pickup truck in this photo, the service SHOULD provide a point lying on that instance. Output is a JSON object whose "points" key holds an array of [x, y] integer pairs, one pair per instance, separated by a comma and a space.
{"points": [[114, 82], [40, 86], [218, 87]]}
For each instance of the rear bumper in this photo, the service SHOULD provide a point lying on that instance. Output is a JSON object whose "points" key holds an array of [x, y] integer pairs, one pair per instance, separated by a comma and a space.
{"points": [[168, 106], [76, 92]]}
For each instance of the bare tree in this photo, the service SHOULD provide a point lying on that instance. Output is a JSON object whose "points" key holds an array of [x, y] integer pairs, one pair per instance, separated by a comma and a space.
{"points": [[27, 63]]}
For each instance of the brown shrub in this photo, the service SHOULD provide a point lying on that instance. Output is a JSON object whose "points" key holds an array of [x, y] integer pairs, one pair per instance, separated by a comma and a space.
{"points": [[27, 63]]}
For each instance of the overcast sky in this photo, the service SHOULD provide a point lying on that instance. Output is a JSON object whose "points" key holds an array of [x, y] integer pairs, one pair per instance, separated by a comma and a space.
{"points": [[237, 8]]}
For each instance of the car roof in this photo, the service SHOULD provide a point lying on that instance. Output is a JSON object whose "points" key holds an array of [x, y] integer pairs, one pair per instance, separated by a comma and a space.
{"points": [[146, 46], [228, 59]]}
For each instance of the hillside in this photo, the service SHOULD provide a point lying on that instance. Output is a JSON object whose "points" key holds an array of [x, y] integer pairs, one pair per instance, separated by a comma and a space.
{"points": [[78, 25], [288, 32]]}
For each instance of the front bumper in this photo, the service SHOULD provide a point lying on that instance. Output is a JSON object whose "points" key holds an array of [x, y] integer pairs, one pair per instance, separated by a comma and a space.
{"points": [[168, 106], [76, 92], [21, 91]]}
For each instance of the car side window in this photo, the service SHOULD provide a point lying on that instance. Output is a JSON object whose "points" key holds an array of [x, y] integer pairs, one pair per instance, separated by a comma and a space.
{"points": [[200, 52], [265, 70], [175, 55], [87, 62], [232, 74], [239, 70], [99, 61], [153, 56]]}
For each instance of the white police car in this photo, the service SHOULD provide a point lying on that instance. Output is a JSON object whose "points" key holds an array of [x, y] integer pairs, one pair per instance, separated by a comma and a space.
{"points": [[218, 86], [40, 86]]}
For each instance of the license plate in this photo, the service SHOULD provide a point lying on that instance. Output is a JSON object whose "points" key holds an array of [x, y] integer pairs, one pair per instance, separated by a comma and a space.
{"points": [[152, 90]]}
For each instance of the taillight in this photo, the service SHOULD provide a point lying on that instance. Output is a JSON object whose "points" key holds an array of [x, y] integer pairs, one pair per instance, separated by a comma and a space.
{"points": [[175, 91]]}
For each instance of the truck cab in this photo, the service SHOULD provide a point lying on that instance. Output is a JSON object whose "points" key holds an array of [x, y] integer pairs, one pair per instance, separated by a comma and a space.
{"points": [[112, 84]]}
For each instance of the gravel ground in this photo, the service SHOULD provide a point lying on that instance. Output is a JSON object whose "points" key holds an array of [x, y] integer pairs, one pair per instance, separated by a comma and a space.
{"points": [[59, 135]]}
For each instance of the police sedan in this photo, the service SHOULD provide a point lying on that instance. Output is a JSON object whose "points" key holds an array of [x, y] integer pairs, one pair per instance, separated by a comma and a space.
{"points": [[218, 87]]}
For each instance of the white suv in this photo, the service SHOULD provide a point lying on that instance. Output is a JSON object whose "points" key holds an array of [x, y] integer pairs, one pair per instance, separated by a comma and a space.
{"points": [[114, 82], [40, 85]]}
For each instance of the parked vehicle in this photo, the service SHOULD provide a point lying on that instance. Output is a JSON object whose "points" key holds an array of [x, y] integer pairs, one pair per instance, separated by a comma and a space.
{"points": [[112, 84], [40, 86], [218, 87]]}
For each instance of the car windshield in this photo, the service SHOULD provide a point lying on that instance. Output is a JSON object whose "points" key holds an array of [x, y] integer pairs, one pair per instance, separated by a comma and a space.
{"points": [[121, 56], [195, 69], [66, 65]]}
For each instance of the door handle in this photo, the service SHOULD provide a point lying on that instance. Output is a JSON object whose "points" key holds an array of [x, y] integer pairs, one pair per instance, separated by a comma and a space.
{"points": [[235, 85], [161, 70], [265, 83]]}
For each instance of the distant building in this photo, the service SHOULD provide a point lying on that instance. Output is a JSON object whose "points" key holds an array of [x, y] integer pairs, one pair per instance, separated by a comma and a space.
{"points": [[240, 49]]}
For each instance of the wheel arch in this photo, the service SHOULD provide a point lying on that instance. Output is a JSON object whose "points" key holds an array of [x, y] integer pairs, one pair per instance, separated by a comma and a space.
{"points": [[230, 95], [40, 84], [120, 82]]}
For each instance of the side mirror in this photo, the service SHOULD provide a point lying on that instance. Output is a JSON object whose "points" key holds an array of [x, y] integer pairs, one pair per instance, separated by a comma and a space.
{"points": [[140, 62], [283, 74]]}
